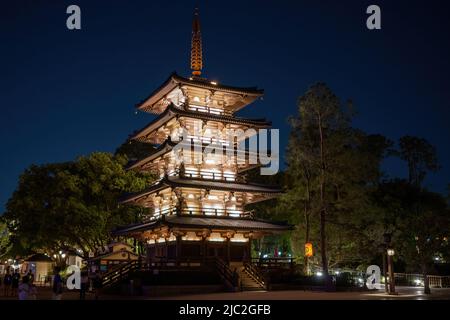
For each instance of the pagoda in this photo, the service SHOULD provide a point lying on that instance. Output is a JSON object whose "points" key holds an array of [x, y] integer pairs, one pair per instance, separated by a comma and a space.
{"points": [[198, 208]]}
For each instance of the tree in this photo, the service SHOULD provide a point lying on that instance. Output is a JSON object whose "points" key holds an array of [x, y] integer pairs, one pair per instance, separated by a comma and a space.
{"points": [[332, 171], [419, 221], [420, 157], [5, 244], [71, 205], [135, 150], [320, 133], [427, 211]]}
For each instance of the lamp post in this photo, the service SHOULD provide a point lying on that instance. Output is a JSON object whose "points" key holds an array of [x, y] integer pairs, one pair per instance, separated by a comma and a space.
{"points": [[390, 253], [60, 258]]}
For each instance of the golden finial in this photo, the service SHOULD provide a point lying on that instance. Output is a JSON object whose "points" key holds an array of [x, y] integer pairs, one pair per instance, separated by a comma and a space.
{"points": [[196, 46]]}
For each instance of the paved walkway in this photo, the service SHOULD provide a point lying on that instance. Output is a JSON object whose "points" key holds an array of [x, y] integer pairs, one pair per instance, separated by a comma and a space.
{"points": [[405, 293]]}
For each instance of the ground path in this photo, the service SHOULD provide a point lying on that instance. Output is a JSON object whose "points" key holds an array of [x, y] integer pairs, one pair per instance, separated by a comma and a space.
{"points": [[405, 293]]}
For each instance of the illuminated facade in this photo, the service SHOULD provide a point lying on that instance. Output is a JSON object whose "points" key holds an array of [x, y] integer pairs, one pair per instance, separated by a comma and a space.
{"points": [[198, 206]]}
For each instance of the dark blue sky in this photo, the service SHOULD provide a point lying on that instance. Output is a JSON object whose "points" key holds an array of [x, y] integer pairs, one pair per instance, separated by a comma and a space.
{"points": [[68, 93]]}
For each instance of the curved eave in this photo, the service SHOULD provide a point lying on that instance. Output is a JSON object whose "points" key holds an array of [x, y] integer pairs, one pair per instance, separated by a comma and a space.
{"points": [[215, 223], [175, 80], [205, 84], [168, 146], [175, 182], [164, 148], [172, 111]]}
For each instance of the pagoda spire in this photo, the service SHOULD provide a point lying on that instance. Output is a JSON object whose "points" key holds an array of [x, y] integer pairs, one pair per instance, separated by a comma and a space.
{"points": [[196, 46]]}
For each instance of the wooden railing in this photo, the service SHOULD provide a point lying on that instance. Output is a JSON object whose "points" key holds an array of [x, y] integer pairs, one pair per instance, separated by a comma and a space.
{"points": [[212, 175], [229, 278], [205, 212], [121, 272], [255, 274], [206, 109], [417, 279], [216, 212], [166, 263], [273, 263]]}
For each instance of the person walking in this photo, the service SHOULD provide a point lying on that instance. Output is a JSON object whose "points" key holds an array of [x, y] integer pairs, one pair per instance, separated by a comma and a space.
{"points": [[30, 276], [24, 289], [57, 285], [15, 283], [7, 281], [84, 285], [97, 282]]}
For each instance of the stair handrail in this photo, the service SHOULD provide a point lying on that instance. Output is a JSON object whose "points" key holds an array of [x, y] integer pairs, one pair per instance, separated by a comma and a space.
{"points": [[255, 274], [230, 278], [117, 274]]}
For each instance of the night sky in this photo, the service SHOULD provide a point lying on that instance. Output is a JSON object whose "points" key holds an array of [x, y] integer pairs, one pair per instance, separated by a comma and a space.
{"points": [[68, 93]]}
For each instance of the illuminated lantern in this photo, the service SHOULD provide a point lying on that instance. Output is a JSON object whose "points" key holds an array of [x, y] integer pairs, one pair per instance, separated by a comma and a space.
{"points": [[308, 249]]}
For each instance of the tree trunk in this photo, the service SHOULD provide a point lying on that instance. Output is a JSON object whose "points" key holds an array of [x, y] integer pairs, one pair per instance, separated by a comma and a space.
{"points": [[323, 249], [307, 213], [323, 212], [306, 264]]}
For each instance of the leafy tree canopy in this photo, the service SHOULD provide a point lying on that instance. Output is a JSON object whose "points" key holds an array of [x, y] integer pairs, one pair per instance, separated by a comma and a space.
{"points": [[71, 205]]}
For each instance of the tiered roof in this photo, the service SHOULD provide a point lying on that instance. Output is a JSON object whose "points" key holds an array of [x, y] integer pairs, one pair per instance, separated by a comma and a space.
{"points": [[192, 99], [168, 146], [173, 111], [178, 182], [174, 81], [219, 223]]}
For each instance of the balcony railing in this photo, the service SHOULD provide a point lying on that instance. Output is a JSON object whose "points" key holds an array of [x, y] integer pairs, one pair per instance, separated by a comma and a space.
{"points": [[274, 263], [209, 175], [210, 110], [211, 212]]}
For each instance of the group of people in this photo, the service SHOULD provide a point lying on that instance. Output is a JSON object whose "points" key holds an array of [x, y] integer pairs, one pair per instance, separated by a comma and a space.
{"points": [[85, 281], [14, 285], [23, 287]]}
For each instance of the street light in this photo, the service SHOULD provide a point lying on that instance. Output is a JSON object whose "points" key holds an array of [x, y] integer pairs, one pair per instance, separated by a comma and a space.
{"points": [[390, 253]]}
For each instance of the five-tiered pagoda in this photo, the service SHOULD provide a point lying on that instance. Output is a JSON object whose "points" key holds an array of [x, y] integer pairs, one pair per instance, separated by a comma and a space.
{"points": [[198, 207]]}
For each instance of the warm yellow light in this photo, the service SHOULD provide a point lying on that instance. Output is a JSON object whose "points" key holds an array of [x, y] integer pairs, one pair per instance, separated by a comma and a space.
{"points": [[216, 237], [214, 83], [308, 249], [191, 236], [239, 237], [172, 238]]}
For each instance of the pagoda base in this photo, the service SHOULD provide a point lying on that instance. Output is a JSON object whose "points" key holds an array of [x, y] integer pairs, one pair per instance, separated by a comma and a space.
{"points": [[194, 253]]}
